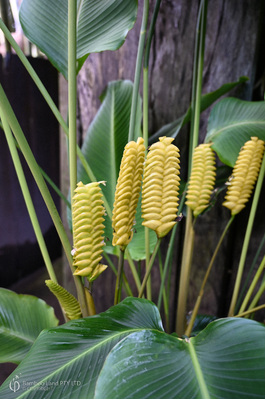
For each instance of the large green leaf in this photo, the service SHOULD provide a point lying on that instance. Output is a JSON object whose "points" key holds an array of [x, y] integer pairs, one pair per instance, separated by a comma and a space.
{"points": [[226, 360], [76, 351], [172, 129], [22, 318], [231, 123], [124, 353], [101, 25], [103, 148]]}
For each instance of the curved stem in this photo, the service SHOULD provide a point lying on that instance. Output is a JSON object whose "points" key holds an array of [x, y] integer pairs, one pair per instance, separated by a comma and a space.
{"points": [[201, 292], [147, 274], [138, 70], [27, 197], [118, 285], [258, 294], [133, 269], [247, 239]]}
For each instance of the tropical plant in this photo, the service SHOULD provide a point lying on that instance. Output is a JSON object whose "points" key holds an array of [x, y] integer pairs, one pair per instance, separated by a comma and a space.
{"points": [[125, 352]]}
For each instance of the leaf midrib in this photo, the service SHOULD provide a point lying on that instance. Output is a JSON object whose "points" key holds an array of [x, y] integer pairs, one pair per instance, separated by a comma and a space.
{"points": [[217, 132], [73, 360], [9, 332]]}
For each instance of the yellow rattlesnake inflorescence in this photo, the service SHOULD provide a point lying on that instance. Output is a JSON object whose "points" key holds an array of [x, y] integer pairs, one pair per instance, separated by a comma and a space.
{"points": [[202, 178], [127, 192], [161, 186], [88, 230], [244, 175]]}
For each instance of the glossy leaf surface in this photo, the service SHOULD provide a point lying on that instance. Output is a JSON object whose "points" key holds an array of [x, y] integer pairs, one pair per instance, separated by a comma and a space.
{"points": [[65, 362], [22, 318], [231, 123], [124, 353], [103, 149], [101, 25], [226, 360]]}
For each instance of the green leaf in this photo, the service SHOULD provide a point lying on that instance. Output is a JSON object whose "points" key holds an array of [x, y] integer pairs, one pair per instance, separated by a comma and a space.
{"points": [[124, 353], [231, 123], [226, 360], [22, 318], [103, 149], [66, 361], [172, 129], [101, 25]]}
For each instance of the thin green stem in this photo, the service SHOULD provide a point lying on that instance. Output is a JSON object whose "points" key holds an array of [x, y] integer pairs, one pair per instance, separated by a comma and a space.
{"points": [[243, 290], [134, 103], [165, 300], [201, 292], [147, 274], [247, 239], [258, 294], [133, 269], [197, 79], [27, 197], [166, 266], [125, 281], [50, 103], [185, 274], [150, 34], [252, 310], [252, 286], [118, 285], [34, 76], [29, 157], [72, 94]]}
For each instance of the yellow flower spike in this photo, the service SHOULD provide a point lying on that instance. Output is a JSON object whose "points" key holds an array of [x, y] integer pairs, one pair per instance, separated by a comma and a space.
{"points": [[161, 186], [202, 179], [68, 302], [88, 230], [244, 175], [127, 192]]}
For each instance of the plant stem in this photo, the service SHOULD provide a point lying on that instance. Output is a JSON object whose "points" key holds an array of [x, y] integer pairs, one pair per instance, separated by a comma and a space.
{"points": [[72, 94], [241, 295], [118, 285], [201, 292], [252, 286], [165, 300], [27, 197], [50, 103], [257, 295], [245, 313], [197, 79], [247, 239], [138, 70], [133, 269], [185, 274], [125, 281], [147, 274], [29, 157], [34, 76]]}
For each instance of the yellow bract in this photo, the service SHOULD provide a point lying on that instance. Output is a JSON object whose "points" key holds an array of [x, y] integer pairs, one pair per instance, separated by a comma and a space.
{"points": [[161, 186], [244, 176], [127, 192], [88, 230], [68, 302], [202, 179]]}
